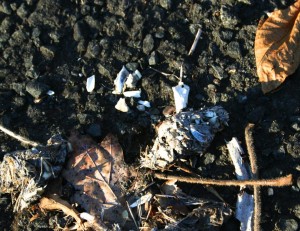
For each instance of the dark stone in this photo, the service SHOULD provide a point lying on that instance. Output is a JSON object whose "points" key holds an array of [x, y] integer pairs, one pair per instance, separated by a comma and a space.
{"points": [[153, 59], [80, 30], [256, 115], [36, 89], [5, 8], [234, 50], [274, 128], [148, 44], [48, 52], [23, 11], [228, 17], [287, 224], [94, 130], [296, 209]]}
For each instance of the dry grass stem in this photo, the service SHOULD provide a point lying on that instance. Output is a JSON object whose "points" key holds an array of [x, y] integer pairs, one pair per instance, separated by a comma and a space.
{"points": [[18, 137], [254, 170], [193, 47], [275, 182]]}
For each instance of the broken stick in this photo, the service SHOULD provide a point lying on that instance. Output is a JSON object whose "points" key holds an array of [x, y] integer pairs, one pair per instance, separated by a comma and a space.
{"points": [[254, 170], [18, 137], [275, 182]]}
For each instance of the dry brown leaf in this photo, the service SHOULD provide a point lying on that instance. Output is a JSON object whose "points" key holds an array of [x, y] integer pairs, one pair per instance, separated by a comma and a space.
{"points": [[97, 172], [277, 46]]}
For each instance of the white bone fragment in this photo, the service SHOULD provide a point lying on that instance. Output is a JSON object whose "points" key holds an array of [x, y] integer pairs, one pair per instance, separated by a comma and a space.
{"points": [[181, 95], [244, 211], [235, 151], [141, 107], [120, 80], [270, 191], [121, 105], [50, 92], [87, 216], [90, 83], [145, 103], [133, 79], [135, 94], [142, 200]]}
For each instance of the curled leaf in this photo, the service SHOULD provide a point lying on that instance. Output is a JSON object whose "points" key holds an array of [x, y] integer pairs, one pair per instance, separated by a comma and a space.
{"points": [[277, 46]]}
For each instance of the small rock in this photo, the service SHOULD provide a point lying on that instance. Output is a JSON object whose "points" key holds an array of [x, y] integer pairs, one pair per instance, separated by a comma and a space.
{"points": [[79, 30], [5, 8], [37, 89], [274, 128], [209, 158], [148, 44], [218, 72], [280, 153], [228, 17], [23, 11], [287, 225], [94, 130], [234, 50], [256, 115], [93, 49], [153, 59], [167, 4], [296, 211], [48, 52]]}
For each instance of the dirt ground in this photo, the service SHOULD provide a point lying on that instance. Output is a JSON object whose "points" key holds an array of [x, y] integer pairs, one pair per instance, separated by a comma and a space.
{"points": [[55, 45]]}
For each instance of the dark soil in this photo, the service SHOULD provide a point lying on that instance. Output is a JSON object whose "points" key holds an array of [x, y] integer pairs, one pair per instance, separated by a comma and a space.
{"points": [[55, 45]]}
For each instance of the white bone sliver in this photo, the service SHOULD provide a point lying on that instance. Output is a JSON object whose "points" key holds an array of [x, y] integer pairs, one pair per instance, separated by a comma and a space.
{"points": [[141, 200], [244, 211], [181, 95], [90, 83], [87, 216], [121, 105], [50, 92], [235, 151], [141, 107], [135, 94], [145, 103], [120, 80]]}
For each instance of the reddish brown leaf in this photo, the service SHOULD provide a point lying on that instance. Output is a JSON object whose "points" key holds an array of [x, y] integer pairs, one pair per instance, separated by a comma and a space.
{"points": [[277, 46]]}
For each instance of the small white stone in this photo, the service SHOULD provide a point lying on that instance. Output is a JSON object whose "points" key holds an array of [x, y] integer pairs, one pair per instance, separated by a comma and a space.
{"points": [[135, 94], [145, 103], [181, 95], [122, 106], [90, 83], [270, 192]]}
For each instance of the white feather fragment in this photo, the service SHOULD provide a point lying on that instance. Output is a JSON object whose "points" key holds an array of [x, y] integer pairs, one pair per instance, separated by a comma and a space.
{"points": [[142, 200], [50, 92], [245, 202], [145, 103], [90, 83], [181, 95], [121, 105], [120, 80], [87, 216], [135, 94]]}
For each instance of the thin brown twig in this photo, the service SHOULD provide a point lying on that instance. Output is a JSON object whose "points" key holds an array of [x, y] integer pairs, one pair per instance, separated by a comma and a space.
{"points": [[18, 137], [254, 169], [275, 182]]}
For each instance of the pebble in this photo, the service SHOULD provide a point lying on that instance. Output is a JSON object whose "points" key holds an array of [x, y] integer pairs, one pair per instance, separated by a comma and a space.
{"points": [[234, 50], [48, 52], [167, 4], [209, 158], [296, 211], [79, 30], [227, 16], [148, 44], [94, 130], [280, 153], [287, 225], [37, 89], [153, 59]]}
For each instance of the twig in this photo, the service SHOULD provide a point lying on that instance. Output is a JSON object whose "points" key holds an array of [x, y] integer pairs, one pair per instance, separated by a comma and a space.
{"points": [[254, 169], [132, 216], [18, 137], [275, 182], [193, 47]]}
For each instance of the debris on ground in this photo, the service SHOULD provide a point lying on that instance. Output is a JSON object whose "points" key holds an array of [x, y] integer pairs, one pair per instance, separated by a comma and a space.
{"points": [[184, 134], [25, 173], [277, 46]]}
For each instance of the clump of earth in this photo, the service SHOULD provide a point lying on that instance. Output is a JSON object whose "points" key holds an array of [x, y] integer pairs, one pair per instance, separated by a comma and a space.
{"points": [[56, 45]]}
